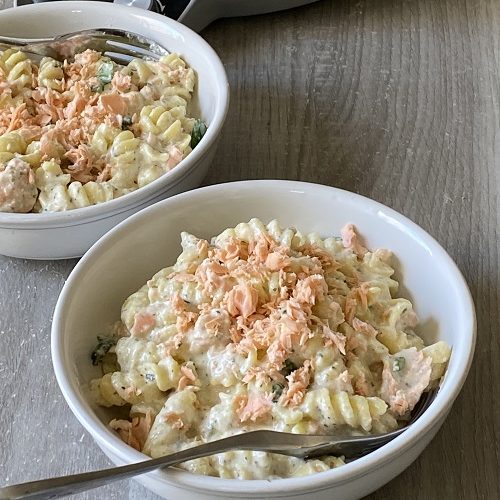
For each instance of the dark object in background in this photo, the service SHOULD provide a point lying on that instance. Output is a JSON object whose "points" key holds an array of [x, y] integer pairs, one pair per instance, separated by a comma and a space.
{"points": [[172, 9], [197, 14], [142, 4]]}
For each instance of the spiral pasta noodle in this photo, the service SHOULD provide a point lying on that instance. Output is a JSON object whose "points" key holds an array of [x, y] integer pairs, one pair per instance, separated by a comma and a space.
{"points": [[51, 74], [17, 68]]}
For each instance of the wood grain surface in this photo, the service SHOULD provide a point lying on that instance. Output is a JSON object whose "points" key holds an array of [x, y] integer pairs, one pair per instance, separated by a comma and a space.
{"points": [[395, 99]]}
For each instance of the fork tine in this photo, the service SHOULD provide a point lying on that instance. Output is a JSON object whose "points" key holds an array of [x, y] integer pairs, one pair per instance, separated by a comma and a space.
{"points": [[119, 36], [127, 39], [130, 50], [123, 59]]}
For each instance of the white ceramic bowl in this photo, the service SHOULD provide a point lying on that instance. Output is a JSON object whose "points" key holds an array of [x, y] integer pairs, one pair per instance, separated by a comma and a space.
{"points": [[70, 234], [129, 255]]}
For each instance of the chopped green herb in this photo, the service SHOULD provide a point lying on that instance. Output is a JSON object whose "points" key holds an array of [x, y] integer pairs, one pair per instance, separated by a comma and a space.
{"points": [[109, 363], [398, 364], [126, 122], [198, 132], [288, 368], [105, 71], [104, 344], [277, 391], [97, 88]]}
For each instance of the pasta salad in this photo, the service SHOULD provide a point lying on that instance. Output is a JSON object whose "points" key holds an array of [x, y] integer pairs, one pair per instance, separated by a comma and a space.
{"points": [[74, 134], [265, 328]]}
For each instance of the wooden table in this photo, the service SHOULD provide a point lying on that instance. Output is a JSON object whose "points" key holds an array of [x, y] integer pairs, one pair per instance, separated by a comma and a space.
{"points": [[396, 100]]}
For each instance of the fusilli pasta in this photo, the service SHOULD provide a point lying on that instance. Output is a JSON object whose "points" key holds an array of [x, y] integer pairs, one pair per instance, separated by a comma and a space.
{"points": [[266, 328], [111, 129]]}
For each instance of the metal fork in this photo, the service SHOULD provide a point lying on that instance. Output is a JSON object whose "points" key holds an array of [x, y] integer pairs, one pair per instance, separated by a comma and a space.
{"points": [[294, 445], [121, 46]]}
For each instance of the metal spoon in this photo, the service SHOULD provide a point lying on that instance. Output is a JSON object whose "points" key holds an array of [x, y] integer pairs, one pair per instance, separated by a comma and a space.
{"points": [[294, 445]]}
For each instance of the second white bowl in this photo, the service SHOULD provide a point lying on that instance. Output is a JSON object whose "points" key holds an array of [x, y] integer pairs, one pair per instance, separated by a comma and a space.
{"points": [[70, 234]]}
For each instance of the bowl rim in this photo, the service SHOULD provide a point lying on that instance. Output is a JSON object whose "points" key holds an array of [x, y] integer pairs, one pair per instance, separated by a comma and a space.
{"points": [[431, 419], [181, 170]]}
